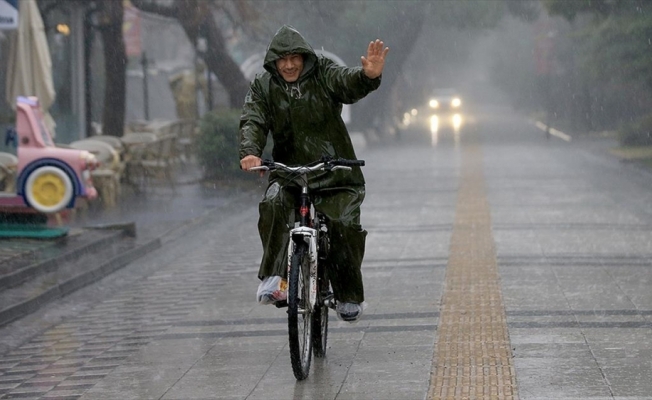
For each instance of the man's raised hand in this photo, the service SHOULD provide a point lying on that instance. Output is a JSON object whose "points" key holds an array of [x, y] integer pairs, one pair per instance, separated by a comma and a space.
{"points": [[373, 64]]}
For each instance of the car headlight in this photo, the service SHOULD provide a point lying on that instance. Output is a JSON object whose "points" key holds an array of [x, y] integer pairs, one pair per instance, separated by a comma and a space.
{"points": [[434, 103], [456, 102]]}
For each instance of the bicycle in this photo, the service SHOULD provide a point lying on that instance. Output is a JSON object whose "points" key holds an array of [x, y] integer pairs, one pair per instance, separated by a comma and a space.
{"points": [[309, 294]]}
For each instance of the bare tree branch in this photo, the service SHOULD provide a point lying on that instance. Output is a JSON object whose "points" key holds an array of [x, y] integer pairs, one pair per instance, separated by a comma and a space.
{"points": [[197, 20]]}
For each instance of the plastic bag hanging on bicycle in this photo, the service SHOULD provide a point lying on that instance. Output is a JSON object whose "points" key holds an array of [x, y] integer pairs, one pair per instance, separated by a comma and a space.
{"points": [[272, 289]]}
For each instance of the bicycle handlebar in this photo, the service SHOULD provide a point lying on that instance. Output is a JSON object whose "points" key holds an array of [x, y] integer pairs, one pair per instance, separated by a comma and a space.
{"points": [[347, 163], [324, 164]]}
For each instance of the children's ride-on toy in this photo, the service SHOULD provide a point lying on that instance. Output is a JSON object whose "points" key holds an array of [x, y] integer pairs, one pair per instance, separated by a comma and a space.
{"points": [[47, 178]]}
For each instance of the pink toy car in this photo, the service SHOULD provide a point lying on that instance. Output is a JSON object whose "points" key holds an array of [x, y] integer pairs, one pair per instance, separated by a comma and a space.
{"points": [[48, 178]]}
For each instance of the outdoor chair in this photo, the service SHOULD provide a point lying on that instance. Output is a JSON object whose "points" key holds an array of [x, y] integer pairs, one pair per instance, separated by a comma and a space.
{"points": [[136, 126], [185, 131], [8, 168], [114, 141], [155, 160], [117, 145], [136, 148], [160, 127], [107, 177], [138, 138]]}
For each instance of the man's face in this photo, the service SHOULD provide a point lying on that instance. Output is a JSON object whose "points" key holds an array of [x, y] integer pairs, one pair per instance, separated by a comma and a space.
{"points": [[290, 67]]}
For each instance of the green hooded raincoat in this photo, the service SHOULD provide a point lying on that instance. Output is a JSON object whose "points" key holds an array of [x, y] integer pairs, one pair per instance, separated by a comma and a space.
{"points": [[304, 118]]}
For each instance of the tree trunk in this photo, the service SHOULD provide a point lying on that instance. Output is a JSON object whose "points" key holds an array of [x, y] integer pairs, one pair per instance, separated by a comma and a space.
{"points": [[194, 15], [197, 20], [115, 62]]}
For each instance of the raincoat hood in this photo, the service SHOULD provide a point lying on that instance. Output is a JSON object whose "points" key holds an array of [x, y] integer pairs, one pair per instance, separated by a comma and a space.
{"points": [[288, 40]]}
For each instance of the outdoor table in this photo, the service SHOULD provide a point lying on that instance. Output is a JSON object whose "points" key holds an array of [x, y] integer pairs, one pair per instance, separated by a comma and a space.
{"points": [[136, 144]]}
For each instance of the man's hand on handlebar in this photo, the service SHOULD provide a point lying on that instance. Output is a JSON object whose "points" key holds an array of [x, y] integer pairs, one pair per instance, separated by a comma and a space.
{"points": [[251, 161]]}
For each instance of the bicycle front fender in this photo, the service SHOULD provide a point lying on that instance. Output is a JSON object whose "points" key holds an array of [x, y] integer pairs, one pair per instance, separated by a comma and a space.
{"points": [[309, 236]]}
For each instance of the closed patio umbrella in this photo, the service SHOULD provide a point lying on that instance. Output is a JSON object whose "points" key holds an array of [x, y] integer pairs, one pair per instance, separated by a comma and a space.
{"points": [[29, 72]]}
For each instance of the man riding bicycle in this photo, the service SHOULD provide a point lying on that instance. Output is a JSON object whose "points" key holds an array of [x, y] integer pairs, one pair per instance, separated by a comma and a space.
{"points": [[299, 100]]}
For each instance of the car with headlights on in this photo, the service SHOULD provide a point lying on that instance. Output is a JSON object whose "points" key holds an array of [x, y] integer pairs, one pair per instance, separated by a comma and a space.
{"points": [[445, 110]]}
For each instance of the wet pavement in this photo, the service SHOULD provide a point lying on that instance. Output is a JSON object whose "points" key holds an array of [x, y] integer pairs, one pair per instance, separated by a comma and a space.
{"points": [[570, 231], [156, 208]]}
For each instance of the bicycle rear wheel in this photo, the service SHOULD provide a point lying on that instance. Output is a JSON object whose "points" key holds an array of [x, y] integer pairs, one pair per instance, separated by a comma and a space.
{"points": [[300, 317]]}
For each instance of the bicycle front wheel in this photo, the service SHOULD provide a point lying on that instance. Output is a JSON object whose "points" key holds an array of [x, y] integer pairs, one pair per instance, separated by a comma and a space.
{"points": [[320, 315], [299, 312]]}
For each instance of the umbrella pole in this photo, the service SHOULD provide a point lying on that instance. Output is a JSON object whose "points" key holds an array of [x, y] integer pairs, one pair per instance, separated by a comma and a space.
{"points": [[144, 62]]}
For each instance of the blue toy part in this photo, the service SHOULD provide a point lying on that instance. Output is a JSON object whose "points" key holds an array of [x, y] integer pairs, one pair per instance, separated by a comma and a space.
{"points": [[11, 138]]}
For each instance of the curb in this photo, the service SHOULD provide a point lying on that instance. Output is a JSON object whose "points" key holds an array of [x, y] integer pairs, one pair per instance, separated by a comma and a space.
{"points": [[62, 289], [552, 131], [51, 264]]}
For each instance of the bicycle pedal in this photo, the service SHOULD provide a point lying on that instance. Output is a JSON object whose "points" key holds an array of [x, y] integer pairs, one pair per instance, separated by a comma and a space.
{"points": [[329, 301], [281, 304]]}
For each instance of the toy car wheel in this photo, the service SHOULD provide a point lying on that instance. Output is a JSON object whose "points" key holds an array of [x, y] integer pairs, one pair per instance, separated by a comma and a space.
{"points": [[48, 189]]}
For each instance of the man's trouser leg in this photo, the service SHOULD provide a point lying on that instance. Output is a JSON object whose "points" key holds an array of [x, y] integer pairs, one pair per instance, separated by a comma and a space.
{"points": [[341, 206], [276, 217]]}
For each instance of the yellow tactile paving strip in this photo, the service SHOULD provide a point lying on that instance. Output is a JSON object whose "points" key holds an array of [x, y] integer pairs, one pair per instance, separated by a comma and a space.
{"points": [[472, 358]]}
